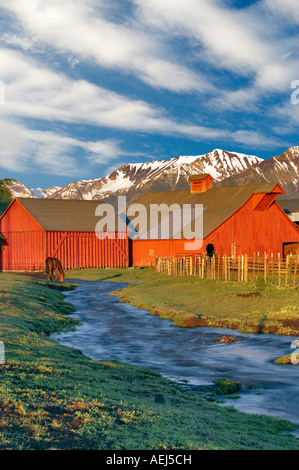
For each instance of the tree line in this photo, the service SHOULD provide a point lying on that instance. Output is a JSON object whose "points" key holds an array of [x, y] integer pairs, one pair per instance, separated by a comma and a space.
{"points": [[5, 193]]}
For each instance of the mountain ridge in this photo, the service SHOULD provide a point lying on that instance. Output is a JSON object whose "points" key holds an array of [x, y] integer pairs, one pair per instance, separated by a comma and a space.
{"points": [[283, 168], [226, 167], [169, 174]]}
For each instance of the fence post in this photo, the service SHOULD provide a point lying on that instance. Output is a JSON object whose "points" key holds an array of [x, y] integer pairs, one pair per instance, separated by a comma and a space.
{"points": [[279, 270], [287, 269], [295, 273], [242, 268], [246, 268], [265, 267]]}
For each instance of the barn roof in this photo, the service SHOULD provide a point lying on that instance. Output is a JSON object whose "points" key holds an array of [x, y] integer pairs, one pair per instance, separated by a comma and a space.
{"points": [[79, 215], [289, 205], [61, 214], [218, 203], [201, 176]]}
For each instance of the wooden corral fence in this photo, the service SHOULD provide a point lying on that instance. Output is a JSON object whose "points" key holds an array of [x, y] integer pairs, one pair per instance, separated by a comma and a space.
{"points": [[284, 272]]}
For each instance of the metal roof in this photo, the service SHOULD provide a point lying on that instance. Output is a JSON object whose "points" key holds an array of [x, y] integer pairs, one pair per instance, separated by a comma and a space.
{"points": [[218, 203], [79, 215], [289, 205], [201, 176], [63, 214]]}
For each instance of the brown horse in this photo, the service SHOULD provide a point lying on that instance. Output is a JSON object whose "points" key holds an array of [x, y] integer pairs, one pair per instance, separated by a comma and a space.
{"points": [[53, 266]]}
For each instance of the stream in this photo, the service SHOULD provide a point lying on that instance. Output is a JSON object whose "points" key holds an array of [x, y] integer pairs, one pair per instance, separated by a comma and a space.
{"points": [[119, 331]]}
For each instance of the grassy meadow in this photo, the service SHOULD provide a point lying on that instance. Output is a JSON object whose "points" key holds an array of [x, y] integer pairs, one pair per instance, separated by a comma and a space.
{"points": [[54, 397]]}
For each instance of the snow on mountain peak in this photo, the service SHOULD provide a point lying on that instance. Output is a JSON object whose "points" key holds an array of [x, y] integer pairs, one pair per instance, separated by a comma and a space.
{"points": [[155, 175]]}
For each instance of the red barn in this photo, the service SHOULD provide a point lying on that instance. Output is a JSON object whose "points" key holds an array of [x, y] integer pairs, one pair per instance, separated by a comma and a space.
{"points": [[236, 220], [37, 228]]}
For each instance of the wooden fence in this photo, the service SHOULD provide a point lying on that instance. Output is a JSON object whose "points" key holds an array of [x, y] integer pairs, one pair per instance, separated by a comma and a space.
{"points": [[284, 272]]}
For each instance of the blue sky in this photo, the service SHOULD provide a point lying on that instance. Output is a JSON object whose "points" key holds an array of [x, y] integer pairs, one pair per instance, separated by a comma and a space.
{"points": [[90, 85]]}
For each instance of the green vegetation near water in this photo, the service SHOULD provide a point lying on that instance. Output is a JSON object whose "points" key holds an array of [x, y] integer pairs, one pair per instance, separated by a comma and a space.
{"points": [[54, 397], [253, 307]]}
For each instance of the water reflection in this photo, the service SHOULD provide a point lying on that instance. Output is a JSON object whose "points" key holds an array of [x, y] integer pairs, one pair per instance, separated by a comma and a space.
{"points": [[113, 330]]}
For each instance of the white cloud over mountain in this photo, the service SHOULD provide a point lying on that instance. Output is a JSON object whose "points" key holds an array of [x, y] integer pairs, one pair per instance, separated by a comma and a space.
{"points": [[89, 82]]}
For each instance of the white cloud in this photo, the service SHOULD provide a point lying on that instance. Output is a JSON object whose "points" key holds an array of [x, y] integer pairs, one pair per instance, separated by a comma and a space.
{"points": [[80, 28], [289, 113], [33, 91], [223, 40], [24, 42], [257, 139], [40, 93], [245, 100], [11, 149], [246, 42], [23, 149], [287, 8]]}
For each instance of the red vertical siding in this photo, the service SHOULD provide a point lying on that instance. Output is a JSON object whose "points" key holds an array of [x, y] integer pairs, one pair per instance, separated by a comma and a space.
{"points": [[254, 231], [144, 252], [251, 231], [25, 247], [85, 250], [28, 245]]}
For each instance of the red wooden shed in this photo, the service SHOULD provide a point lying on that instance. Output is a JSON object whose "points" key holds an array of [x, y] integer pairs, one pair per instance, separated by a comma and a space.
{"points": [[236, 220], [37, 228]]}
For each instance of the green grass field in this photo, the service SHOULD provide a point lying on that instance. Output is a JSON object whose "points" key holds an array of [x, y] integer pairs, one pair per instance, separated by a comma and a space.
{"points": [[53, 397]]}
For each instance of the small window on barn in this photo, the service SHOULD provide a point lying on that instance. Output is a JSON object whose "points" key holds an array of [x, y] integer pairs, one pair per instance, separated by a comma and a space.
{"points": [[210, 250]]}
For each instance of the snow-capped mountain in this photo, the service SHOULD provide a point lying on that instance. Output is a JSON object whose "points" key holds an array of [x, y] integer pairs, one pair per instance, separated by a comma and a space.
{"points": [[227, 169], [38, 192], [20, 190], [283, 168], [158, 175]]}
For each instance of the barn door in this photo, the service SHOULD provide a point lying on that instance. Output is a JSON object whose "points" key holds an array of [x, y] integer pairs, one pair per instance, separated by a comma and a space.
{"points": [[76, 250], [290, 249]]}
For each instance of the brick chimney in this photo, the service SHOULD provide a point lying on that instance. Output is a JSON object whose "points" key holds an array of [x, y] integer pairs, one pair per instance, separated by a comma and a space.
{"points": [[200, 183]]}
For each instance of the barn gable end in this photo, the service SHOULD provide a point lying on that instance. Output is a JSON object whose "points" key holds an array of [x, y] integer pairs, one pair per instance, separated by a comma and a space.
{"points": [[236, 220], [25, 246], [37, 228]]}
